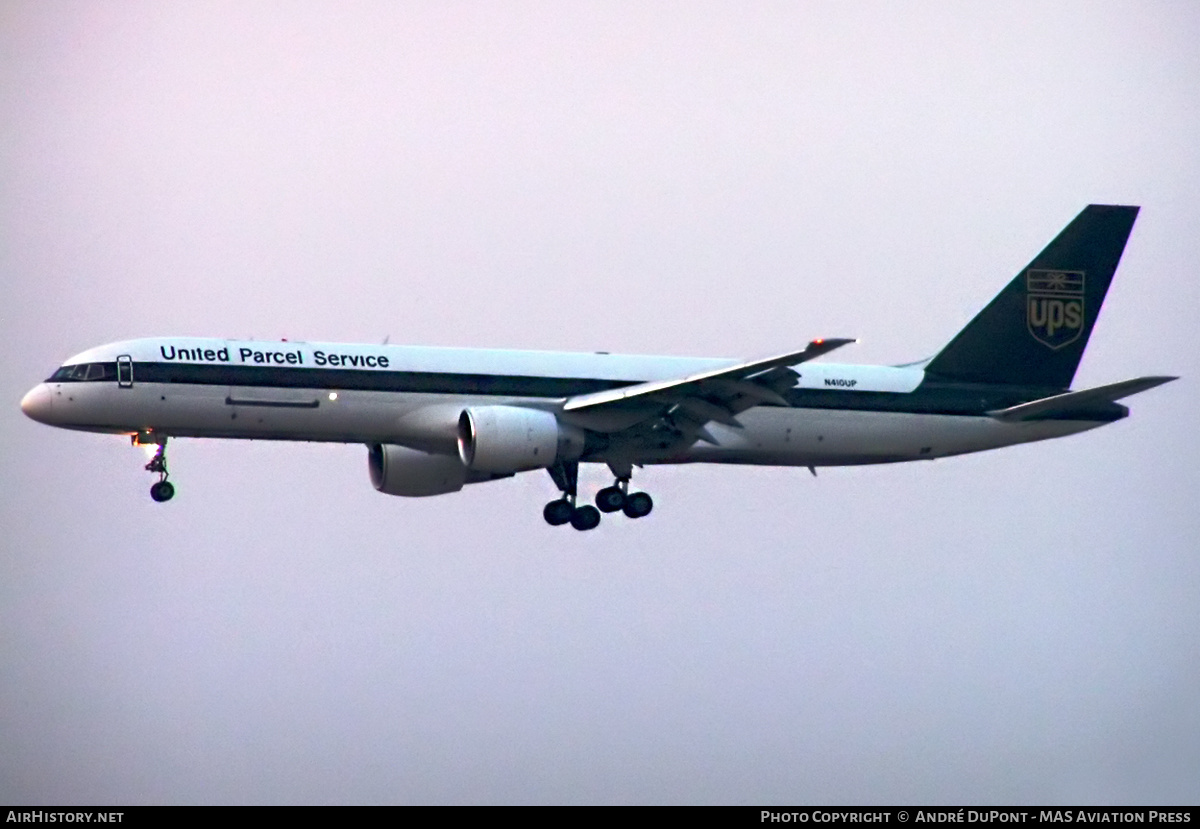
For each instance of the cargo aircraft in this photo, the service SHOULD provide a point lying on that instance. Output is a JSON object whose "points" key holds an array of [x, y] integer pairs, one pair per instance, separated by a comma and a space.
{"points": [[437, 419]]}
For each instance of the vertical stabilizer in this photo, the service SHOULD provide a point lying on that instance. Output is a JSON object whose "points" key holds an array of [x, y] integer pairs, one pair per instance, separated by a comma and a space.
{"points": [[1034, 332]]}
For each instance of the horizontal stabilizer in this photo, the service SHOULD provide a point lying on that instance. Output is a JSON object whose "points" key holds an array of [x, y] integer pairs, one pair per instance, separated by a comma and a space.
{"points": [[683, 386], [1061, 405]]}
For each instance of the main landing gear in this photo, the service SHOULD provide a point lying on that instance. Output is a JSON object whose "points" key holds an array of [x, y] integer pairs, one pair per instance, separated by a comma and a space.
{"points": [[586, 517], [618, 497], [163, 490], [564, 511]]}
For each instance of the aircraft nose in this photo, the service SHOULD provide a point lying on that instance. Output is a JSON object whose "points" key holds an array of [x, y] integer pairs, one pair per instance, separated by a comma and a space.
{"points": [[36, 404]]}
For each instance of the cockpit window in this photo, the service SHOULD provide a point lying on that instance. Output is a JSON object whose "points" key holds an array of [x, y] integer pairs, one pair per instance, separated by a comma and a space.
{"points": [[100, 371], [84, 372]]}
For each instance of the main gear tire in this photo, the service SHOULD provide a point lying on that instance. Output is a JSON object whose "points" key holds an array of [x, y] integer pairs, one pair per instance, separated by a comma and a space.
{"points": [[610, 499], [558, 512], [586, 517], [638, 505]]}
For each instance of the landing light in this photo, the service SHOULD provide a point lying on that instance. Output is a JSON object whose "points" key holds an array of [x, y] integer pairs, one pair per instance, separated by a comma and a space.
{"points": [[333, 395]]}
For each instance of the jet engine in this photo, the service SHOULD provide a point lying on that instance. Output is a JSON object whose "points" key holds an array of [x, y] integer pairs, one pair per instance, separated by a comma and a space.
{"points": [[510, 439], [398, 470]]}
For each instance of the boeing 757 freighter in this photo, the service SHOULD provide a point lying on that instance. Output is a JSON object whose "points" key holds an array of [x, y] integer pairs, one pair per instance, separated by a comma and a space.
{"points": [[437, 419]]}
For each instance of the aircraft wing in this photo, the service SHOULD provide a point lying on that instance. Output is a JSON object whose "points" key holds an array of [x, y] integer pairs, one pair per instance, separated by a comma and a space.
{"points": [[1063, 405], [690, 402]]}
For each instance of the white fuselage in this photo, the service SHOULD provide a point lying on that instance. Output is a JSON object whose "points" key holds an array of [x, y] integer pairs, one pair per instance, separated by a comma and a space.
{"points": [[190, 387]]}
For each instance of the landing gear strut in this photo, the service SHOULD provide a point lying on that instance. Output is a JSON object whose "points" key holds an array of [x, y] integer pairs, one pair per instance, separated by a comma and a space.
{"points": [[163, 490]]}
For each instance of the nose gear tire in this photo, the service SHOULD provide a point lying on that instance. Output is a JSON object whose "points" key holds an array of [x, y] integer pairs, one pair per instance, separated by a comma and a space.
{"points": [[162, 491]]}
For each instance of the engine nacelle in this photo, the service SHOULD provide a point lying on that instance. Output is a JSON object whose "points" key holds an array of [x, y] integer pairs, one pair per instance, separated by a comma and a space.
{"points": [[509, 439], [398, 470]]}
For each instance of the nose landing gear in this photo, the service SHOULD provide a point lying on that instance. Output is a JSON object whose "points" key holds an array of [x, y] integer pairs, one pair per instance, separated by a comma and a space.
{"points": [[162, 490]]}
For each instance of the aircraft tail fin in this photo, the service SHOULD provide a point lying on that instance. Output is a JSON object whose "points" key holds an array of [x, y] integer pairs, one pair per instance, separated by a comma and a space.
{"points": [[1034, 332]]}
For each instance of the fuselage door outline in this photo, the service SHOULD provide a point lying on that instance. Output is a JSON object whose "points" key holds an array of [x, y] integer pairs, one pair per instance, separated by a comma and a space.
{"points": [[125, 371]]}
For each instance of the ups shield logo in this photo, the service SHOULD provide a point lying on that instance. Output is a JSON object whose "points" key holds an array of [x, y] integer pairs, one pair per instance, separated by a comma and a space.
{"points": [[1054, 306]]}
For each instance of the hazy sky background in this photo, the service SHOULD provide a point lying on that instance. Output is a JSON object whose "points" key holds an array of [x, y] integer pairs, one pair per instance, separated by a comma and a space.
{"points": [[719, 179]]}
